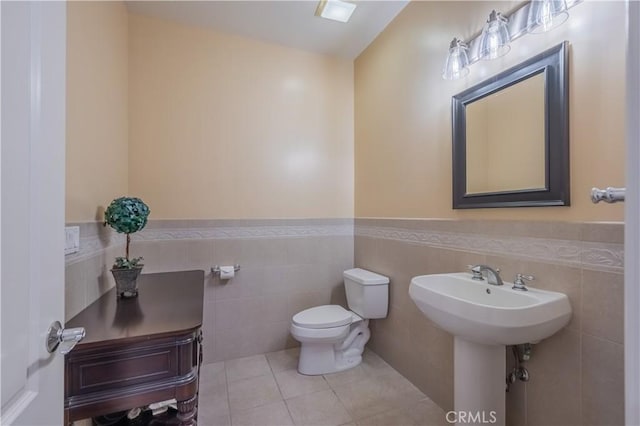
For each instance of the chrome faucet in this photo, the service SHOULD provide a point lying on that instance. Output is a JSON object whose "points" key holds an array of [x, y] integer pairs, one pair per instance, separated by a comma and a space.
{"points": [[493, 275]]}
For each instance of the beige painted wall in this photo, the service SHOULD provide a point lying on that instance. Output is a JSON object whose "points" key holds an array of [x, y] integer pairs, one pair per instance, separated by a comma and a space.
{"points": [[403, 121], [97, 107], [227, 127]]}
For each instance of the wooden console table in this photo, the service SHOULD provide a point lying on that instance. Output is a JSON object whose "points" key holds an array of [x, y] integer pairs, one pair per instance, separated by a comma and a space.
{"points": [[138, 351]]}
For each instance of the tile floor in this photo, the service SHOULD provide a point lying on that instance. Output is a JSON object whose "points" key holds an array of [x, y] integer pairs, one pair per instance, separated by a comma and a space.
{"points": [[266, 390]]}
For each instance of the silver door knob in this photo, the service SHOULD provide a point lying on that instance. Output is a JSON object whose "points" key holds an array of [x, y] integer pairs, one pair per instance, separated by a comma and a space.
{"points": [[66, 338]]}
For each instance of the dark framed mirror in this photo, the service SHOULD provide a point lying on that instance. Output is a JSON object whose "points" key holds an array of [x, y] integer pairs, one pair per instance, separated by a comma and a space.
{"points": [[511, 136]]}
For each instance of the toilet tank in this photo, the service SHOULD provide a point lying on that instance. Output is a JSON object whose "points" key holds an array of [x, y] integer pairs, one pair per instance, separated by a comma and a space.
{"points": [[367, 293]]}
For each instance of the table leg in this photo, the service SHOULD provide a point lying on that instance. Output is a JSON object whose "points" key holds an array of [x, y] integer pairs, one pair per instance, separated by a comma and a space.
{"points": [[187, 411]]}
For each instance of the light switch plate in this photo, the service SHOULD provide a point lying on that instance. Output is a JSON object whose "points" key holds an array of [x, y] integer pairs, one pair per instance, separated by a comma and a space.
{"points": [[71, 239]]}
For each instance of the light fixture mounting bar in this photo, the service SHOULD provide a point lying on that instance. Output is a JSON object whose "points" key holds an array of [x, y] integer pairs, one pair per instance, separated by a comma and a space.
{"points": [[518, 26]]}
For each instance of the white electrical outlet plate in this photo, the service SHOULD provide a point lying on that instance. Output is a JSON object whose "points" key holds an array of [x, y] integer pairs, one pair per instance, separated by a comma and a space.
{"points": [[71, 239]]}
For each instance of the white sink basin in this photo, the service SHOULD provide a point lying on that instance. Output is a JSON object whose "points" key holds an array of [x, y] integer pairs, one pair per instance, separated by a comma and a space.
{"points": [[487, 314]]}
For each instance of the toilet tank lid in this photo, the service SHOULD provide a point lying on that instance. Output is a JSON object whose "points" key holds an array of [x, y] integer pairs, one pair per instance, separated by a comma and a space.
{"points": [[364, 277]]}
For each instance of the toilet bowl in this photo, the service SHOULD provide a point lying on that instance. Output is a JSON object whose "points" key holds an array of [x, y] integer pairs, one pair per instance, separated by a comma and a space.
{"points": [[333, 338]]}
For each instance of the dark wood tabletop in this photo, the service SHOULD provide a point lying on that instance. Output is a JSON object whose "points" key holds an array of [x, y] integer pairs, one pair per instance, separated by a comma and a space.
{"points": [[167, 302], [139, 350]]}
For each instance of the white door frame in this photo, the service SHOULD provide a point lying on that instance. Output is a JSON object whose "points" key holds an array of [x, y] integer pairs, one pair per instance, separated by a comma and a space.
{"points": [[632, 222]]}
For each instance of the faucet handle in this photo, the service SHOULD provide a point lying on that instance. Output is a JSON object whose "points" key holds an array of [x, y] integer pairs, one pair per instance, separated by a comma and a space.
{"points": [[525, 277], [518, 283], [476, 272]]}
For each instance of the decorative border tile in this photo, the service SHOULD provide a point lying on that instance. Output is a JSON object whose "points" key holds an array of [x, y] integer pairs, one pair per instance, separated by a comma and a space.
{"points": [[95, 245], [584, 254], [244, 232], [597, 256]]}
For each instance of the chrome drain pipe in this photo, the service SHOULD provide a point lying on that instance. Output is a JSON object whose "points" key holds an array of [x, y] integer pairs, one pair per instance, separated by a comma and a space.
{"points": [[519, 372]]}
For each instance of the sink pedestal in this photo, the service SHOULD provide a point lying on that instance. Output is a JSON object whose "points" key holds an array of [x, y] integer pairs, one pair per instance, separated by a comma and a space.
{"points": [[479, 383]]}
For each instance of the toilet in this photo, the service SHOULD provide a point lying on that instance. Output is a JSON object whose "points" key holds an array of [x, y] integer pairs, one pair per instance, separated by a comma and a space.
{"points": [[332, 338]]}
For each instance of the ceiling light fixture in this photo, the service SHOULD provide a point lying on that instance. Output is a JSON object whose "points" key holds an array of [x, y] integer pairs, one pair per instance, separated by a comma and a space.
{"points": [[336, 10]]}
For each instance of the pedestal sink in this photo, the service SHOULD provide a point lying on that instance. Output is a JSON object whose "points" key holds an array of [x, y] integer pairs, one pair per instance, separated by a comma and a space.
{"points": [[485, 318]]}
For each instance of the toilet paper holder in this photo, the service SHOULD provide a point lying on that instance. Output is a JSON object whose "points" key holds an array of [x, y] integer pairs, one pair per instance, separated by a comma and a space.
{"points": [[216, 269]]}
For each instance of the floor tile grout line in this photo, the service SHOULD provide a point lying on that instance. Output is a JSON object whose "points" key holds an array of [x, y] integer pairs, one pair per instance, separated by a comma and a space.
{"points": [[351, 416], [289, 411], [280, 390], [273, 374], [226, 383], [285, 400], [254, 377], [317, 392]]}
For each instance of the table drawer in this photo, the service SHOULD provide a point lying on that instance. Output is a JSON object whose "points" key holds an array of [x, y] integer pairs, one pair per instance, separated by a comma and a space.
{"points": [[129, 365], [125, 370]]}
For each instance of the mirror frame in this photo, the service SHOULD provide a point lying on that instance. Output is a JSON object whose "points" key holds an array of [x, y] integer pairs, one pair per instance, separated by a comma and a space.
{"points": [[554, 64]]}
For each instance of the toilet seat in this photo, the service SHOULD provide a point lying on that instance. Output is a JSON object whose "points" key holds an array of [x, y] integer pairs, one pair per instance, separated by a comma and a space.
{"points": [[325, 316]]}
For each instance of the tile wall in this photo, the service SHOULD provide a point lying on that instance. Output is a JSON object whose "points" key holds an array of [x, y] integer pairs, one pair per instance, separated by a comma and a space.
{"points": [[577, 375], [87, 275], [286, 266]]}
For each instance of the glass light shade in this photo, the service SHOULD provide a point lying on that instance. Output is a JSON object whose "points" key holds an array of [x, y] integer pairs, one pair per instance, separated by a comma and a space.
{"points": [[545, 15], [495, 39], [336, 10], [457, 64]]}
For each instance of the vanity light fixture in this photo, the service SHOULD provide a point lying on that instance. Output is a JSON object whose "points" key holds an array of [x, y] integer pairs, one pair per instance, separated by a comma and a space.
{"points": [[495, 39], [535, 16], [457, 63], [545, 15], [336, 10]]}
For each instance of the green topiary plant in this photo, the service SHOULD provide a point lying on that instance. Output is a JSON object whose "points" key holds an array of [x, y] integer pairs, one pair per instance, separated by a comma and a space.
{"points": [[127, 215]]}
